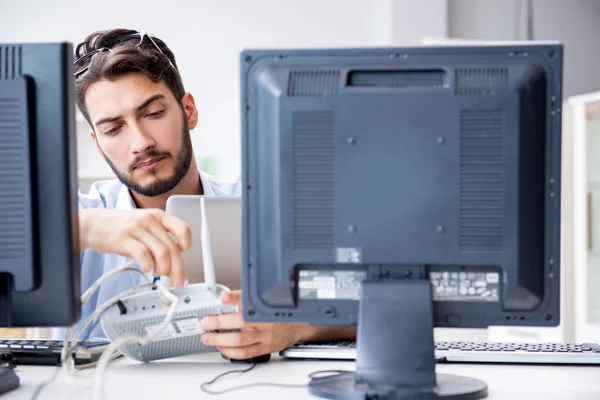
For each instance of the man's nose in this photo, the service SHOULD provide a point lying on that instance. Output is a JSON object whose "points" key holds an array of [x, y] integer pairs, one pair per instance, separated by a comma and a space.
{"points": [[142, 141]]}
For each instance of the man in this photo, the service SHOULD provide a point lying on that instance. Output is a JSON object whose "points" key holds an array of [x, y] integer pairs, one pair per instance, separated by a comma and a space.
{"points": [[129, 90]]}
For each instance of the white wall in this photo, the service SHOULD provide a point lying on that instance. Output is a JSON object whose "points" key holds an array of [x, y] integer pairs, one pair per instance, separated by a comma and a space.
{"points": [[574, 22], [486, 20], [207, 36], [577, 24]]}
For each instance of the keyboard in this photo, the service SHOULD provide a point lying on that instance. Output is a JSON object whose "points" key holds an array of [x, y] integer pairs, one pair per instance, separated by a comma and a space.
{"points": [[47, 352], [468, 352]]}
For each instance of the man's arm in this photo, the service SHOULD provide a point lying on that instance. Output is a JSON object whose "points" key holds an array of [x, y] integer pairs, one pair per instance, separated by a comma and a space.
{"points": [[328, 334], [255, 339], [84, 216], [143, 234]]}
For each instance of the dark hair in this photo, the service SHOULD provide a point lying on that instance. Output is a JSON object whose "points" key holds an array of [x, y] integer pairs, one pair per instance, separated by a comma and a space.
{"points": [[124, 58]]}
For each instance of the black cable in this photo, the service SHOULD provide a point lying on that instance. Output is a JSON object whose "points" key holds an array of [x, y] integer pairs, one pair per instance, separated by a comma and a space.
{"points": [[42, 385], [204, 386], [328, 372]]}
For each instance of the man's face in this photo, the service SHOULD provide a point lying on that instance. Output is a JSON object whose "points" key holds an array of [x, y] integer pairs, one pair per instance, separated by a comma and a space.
{"points": [[142, 132]]}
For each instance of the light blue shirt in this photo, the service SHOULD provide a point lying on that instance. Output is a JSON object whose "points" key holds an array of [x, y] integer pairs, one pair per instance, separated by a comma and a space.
{"points": [[114, 195]]}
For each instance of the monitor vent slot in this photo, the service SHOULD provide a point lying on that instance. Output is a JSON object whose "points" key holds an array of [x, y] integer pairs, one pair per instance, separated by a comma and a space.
{"points": [[302, 83], [10, 62], [313, 180], [478, 81], [482, 180], [13, 181], [397, 79]]}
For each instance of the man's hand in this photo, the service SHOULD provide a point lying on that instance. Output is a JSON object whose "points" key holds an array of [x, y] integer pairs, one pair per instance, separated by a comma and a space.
{"points": [[254, 339], [144, 235]]}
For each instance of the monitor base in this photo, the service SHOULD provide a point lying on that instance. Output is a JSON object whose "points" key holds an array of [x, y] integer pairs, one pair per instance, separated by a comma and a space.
{"points": [[395, 353], [350, 386]]}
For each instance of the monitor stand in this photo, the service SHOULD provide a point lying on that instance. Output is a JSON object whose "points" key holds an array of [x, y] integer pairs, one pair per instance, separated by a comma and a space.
{"points": [[395, 352]]}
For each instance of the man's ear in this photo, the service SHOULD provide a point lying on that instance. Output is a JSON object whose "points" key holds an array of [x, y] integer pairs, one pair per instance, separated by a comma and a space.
{"points": [[191, 112], [95, 139]]}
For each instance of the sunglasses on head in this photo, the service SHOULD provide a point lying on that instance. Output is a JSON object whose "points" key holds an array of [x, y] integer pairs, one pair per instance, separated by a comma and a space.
{"points": [[125, 38]]}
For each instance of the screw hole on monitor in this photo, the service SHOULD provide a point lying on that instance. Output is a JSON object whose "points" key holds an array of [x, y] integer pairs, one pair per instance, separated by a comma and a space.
{"points": [[522, 318], [290, 314], [144, 308], [551, 54], [277, 314], [548, 317]]}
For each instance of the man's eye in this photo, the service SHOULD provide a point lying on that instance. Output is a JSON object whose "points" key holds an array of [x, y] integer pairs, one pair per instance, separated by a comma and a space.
{"points": [[156, 114], [112, 131]]}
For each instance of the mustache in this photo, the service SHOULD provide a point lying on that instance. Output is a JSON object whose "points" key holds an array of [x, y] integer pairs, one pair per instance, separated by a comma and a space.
{"points": [[149, 154]]}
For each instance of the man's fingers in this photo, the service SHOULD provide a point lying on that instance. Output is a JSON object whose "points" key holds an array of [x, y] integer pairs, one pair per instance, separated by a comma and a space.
{"points": [[139, 252], [233, 298], [179, 229], [244, 353], [232, 339], [159, 250], [177, 271], [227, 321]]}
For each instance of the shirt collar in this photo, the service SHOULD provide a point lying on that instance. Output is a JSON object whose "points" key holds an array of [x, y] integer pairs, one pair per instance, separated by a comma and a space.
{"points": [[125, 201], [207, 188]]}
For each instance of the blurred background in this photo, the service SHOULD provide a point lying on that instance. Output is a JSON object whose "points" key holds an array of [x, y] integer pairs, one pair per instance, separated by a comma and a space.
{"points": [[208, 35]]}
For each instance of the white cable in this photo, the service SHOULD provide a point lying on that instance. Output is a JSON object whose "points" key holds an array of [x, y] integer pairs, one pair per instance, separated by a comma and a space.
{"points": [[123, 340], [207, 258], [125, 267], [68, 351], [107, 304], [67, 348]]}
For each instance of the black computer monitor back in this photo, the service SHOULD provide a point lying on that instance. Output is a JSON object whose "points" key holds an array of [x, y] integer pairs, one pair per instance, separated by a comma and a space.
{"points": [[428, 162], [39, 255]]}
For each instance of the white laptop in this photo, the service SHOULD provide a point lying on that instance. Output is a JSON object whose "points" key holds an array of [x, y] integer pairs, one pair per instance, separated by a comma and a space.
{"points": [[224, 216]]}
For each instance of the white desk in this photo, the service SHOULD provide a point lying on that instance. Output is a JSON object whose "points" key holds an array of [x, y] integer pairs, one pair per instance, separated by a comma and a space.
{"points": [[180, 378]]}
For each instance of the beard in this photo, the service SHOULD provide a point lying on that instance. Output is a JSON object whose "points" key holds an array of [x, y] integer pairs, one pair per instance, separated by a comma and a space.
{"points": [[183, 161]]}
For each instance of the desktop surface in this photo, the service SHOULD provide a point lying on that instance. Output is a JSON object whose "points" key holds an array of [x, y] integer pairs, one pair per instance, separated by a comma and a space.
{"points": [[181, 378]]}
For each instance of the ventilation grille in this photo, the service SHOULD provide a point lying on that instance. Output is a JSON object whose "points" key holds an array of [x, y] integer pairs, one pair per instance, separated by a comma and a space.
{"points": [[481, 180], [313, 83], [481, 81], [13, 181], [313, 163], [10, 62], [166, 348]]}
